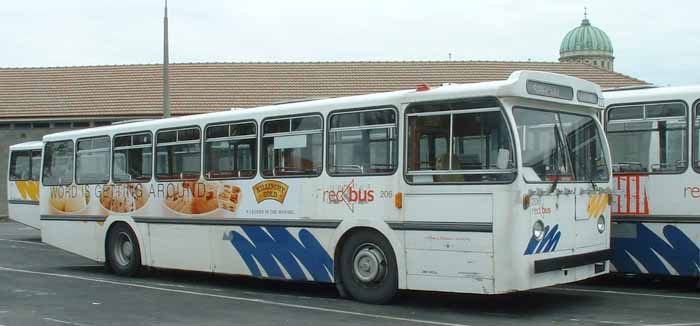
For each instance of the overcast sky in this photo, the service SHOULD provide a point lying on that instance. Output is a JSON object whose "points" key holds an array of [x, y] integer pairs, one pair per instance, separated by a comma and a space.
{"points": [[656, 41]]}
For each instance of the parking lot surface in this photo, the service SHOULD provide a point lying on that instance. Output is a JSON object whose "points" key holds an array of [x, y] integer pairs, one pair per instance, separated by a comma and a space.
{"points": [[42, 285]]}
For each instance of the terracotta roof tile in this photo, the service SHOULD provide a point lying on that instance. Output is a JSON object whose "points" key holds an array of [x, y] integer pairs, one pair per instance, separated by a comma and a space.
{"points": [[136, 90]]}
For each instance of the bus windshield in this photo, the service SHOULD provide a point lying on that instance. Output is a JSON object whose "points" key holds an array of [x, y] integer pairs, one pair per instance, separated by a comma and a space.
{"points": [[560, 146]]}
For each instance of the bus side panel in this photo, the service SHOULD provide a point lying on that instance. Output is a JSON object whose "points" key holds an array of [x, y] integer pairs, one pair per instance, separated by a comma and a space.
{"points": [[449, 261], [182, 246], [26, 214], [23, 202], [72, 236], [656, 248], [661, 247], [443, 260], [278, 252]]}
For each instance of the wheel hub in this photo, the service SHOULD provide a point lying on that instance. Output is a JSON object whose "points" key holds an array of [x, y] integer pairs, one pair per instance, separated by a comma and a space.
{"points": [[127, 249], [369, 264], [123, 249]]}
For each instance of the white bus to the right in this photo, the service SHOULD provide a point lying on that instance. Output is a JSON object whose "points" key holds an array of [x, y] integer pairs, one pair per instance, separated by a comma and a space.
{"points": [[653, 135], [475, 188]]}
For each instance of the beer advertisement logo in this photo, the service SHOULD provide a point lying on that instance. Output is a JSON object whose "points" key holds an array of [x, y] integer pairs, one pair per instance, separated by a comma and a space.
{"points": [[270, 189]]}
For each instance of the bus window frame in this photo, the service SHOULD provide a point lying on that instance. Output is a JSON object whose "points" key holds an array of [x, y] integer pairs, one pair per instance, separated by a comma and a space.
{"points": [[283, 117], [688, 133], [43, 161], [364, 109], [603, 136], [153, 161], [232, 122], [9, 168], [506, 118], [75, 160], [155, 151], [695, 132]]}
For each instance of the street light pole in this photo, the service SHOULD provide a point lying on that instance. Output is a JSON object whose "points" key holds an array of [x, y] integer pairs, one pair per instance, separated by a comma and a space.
{"points": [[166, 70]]}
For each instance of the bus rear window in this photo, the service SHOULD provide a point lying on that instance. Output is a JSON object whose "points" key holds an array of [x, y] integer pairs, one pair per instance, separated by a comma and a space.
{"points": [[20, 166], [58, 163]]}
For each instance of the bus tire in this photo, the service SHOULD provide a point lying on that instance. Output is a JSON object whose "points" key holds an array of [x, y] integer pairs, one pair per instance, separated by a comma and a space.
{"points": [[368, 269], [123, 250]]}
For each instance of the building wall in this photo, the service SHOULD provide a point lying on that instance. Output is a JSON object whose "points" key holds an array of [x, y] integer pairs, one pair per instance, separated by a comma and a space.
{"points": [[600, 59]]}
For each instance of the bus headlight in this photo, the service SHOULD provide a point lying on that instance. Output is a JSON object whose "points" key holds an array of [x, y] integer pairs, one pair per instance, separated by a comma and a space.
{"points": [[601, 224], [538, 230]]}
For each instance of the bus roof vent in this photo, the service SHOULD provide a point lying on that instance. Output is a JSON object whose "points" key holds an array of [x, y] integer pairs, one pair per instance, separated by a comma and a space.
{"points": [[630, 88]]}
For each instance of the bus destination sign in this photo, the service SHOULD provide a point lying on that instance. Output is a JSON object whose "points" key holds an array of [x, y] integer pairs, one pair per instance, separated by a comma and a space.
{"points": [[549, 90]]}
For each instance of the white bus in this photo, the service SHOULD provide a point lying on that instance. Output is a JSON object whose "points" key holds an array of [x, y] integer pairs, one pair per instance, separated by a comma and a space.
{"points": [[23, 167], [653, 136], [478, 188]]}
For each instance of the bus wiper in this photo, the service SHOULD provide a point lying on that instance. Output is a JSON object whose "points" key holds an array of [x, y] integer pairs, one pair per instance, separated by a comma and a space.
{"points": [[554, 184], [590, 179]]}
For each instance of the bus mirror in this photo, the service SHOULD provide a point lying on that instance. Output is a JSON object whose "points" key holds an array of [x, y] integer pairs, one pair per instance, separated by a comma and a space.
{"points": [[503, 158]]}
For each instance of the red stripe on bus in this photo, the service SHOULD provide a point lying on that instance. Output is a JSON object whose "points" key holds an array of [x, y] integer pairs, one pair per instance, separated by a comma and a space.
{"points": [[637, 194], [629, 195], [619, 197]]}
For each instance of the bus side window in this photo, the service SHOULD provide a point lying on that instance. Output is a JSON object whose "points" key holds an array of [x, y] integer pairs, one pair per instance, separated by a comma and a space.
{"points": [[92, 160], [230, 151], [650, 138], [36, 165], [696, 139], [20, 166], [458, 142], [178, 154], [132, 158], [292, 146], [58, 163], [363, 142]]}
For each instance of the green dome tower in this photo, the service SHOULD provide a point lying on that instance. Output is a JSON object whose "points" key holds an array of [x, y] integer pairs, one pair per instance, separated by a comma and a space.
{"points": [[587, 44]]}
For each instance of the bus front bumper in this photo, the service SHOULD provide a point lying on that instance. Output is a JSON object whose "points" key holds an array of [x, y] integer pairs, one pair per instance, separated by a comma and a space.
{"points": [[559, 263]]}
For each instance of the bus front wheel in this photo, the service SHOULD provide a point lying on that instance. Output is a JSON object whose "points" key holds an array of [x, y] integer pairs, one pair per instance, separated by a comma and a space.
{"points": [[123, 251], [368, 268]]}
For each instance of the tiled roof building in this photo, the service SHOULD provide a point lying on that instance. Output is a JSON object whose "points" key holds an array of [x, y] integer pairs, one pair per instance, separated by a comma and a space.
{"points": [[129, 91]]}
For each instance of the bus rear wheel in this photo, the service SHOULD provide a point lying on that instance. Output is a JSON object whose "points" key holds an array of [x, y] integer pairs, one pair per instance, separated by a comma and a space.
{"points": [[368, 268], [123, 250]]}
